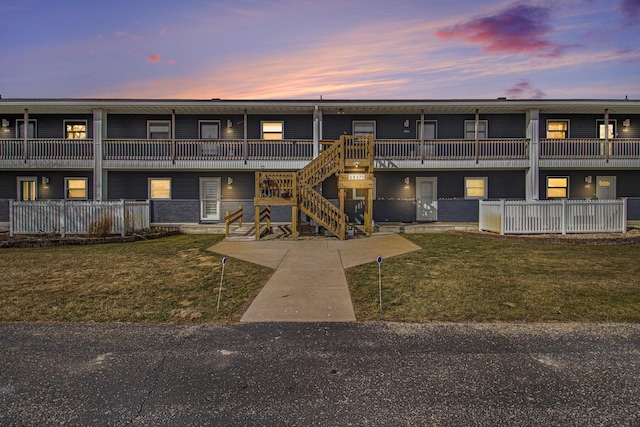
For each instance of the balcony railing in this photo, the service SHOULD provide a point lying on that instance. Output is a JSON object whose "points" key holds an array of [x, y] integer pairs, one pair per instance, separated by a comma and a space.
{"points": [[302, 150], [452, 149], [589, 149], [46, 149]]}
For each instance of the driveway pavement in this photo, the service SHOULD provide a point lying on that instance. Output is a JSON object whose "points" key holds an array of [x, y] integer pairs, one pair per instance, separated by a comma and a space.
{"points": [[320, 374]]}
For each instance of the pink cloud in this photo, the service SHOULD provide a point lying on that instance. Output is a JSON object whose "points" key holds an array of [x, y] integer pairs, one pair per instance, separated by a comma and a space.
{"points": [[171, 61], [153, 58], [524, 89], [518, 29]]}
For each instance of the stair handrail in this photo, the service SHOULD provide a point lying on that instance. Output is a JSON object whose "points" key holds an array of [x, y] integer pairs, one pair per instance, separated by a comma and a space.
{"points": [[232, 217], [322, 210]]}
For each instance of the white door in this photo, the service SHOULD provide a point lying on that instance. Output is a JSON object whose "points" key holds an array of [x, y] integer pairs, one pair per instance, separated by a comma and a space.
{"points": [[426, 199], [605, 187], [210, 199]]}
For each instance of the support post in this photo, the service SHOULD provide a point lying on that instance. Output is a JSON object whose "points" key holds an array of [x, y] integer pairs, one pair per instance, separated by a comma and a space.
{"points": [[99, 192], [476, 128], [245, 143], [532, 180], [173, 136], [256, 218], [294, 222], [25, 142], [369, 212], [607, 143]]}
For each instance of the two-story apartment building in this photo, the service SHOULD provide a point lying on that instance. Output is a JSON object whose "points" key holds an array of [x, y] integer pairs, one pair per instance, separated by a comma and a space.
{"points": [[195, 159]]}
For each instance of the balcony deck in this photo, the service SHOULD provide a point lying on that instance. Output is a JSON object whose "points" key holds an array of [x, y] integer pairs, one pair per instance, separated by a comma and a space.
{"points": [[295, 154]]}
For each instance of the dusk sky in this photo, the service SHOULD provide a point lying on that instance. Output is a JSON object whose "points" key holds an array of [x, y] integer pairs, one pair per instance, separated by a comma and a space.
{"points": [[300, 49]]}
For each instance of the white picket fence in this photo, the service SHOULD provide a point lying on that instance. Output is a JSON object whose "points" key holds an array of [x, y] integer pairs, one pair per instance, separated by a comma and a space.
{"points": [[553, 216], [63, 217]]}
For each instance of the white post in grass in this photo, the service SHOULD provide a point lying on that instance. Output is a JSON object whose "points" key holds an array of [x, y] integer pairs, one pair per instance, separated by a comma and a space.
{"points": [[224, 261], [380, 280]]}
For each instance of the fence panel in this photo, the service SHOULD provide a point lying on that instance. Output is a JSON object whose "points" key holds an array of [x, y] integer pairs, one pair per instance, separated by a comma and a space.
{"points": [[553, 216], [77, 216]]}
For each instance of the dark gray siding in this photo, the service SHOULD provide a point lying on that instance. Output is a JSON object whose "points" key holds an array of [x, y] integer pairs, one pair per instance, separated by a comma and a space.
{"points": [[47, 126], [586, 125], [187, 126], [295, 126], [633, 209], [627, 182], [4, 210], [184, 185], [53, 190], [130, 126], [448, 126]]}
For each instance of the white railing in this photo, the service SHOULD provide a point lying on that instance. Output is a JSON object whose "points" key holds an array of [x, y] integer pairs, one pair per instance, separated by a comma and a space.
{"points": [[553, 216], [137, 149], [589, 149], [279, 150], [208, 150], [63, 217], [46, 149], [452, 149]]}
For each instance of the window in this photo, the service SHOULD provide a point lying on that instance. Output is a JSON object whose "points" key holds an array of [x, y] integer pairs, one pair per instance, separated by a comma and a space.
{"points": [[364, 128], [272, 130], [557, 129], [470, 129], [27, 188], [209, 129], [557, 187], [75, 188], [75, 129], [361, 193], [475, 188], [159, 188], [612, 129], [159, 129], [20, 129]]}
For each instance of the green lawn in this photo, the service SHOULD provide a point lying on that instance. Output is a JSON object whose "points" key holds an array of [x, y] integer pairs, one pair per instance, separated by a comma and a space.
{"points": [[462, 278]]}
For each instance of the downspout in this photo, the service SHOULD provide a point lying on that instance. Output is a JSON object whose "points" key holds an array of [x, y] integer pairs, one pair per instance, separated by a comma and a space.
{"points": [[476, 127], [25, 128]]}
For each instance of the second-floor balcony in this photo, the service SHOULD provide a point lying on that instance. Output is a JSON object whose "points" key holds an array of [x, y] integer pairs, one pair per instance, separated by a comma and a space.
{"points": [[294, 154]]}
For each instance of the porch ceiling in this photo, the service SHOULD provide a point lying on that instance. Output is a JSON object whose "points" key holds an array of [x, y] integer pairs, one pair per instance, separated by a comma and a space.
{"points": [[356, 107]]}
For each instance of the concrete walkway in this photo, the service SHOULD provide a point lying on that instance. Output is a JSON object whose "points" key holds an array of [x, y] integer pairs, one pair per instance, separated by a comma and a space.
{"points": [[309, 284]]}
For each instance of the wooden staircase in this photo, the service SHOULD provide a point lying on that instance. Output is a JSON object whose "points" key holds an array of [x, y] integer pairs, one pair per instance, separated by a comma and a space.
{"points": [[298, 189]]}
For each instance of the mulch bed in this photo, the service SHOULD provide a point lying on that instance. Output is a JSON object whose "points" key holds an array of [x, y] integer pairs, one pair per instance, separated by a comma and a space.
{"points": [[631, 237], [45, 241]]}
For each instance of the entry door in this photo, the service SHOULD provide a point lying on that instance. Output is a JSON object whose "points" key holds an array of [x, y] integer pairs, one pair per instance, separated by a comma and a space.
{"points": [[605, 187], [426, 199], [210, 199], [27, 188]]}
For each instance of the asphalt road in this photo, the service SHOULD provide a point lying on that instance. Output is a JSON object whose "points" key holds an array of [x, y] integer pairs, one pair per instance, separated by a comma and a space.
{"points": [[320, 374]]}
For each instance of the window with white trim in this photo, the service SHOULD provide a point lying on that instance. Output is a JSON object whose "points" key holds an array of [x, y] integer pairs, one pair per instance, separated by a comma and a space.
{"points": [[470, 129], [557, 129], [209, 129], [159, 129], [557, 187], [476, 187], [272, 130], [364, 128], [160, 188], [75, 129], [75, 188], [361, 193]]}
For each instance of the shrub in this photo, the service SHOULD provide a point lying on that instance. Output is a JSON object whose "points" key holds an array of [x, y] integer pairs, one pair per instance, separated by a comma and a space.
{"points": [[101, 227]]}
